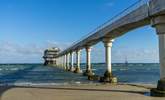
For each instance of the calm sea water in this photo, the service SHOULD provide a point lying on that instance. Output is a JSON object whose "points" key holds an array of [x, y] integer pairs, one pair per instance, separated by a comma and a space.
{"points": [[37, 74]]}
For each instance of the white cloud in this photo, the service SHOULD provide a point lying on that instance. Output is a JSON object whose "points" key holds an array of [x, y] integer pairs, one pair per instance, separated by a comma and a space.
{"points": [[135, 55], [132, 54], [25, 53], [29, 53], [61, 45]]}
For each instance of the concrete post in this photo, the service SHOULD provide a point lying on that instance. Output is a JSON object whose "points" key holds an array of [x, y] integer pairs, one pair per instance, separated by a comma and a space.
{"points": [[78, 54], [56, 61], [159, 23], [108, 46], [68, 62], [65, 62], [60, 61], [162, 54], [108, 77], [88, 71], [88, 58], [72, 62]]}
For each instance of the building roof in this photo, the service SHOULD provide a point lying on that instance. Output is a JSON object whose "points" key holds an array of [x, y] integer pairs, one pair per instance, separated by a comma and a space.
{"points": [[53, 49]]}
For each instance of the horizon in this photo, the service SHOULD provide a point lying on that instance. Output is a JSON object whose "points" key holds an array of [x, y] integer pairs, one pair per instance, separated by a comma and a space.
{"points": [[29, 27], [74, 63]]}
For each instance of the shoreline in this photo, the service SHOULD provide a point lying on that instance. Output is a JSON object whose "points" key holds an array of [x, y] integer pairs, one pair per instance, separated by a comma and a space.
{"points": [[144, 85]]}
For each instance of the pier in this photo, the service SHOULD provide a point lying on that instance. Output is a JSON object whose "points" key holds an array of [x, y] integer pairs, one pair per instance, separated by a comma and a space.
{"points": [[142, 13]]}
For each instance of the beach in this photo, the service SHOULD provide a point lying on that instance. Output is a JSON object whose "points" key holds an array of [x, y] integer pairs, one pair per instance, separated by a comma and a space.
{"points": [[79, 92]]}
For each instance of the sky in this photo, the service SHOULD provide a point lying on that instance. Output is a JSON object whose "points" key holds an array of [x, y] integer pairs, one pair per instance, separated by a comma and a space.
{"points": [[28, 27]]}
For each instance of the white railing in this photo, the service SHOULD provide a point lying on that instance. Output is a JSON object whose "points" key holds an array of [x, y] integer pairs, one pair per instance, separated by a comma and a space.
{"points": [[123, 13]]}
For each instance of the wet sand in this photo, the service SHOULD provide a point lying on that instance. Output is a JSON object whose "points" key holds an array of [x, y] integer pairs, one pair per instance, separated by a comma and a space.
{"points": [[83, 92]]}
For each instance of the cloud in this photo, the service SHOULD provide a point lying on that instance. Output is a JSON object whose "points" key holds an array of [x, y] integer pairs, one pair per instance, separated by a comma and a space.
{"points": [[10, 48], [32, 53], [61, 45], [136, 55], [11, 52], [133, 55]]}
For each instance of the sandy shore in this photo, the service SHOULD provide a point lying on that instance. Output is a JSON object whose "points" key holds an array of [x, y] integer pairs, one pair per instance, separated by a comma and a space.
{"points": [[83, 92]]}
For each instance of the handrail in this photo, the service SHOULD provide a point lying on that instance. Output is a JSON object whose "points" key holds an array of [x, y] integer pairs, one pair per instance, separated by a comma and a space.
{"points": [[112, 20]]}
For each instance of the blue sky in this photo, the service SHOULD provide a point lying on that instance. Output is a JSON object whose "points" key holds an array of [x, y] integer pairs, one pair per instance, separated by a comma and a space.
{"points": [[27, 27]]}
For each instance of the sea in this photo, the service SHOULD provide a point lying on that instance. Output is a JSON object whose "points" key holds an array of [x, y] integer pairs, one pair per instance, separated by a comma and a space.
{"points": [[37, 74]]}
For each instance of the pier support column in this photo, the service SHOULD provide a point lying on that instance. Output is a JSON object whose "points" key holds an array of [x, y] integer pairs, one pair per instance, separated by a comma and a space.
{"points": [[77, 69], [108, 77], [65, 62], [68, 62], [71, 62], [88, 71], [57, 63], [61, 62], [159, 23]]}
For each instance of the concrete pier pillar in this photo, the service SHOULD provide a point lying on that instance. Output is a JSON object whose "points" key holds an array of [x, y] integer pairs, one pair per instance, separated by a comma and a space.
{"points": [[77, 69], [71, 62], [56, 62], [159, 23], [68, 61], [88, 71], [60, 61], [65, 62], [108, 77]]}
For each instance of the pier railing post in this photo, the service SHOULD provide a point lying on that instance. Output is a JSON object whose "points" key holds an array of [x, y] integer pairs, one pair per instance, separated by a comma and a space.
{"points": [[108, 77], [159, 23], [77, 69], [88, 71]]}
